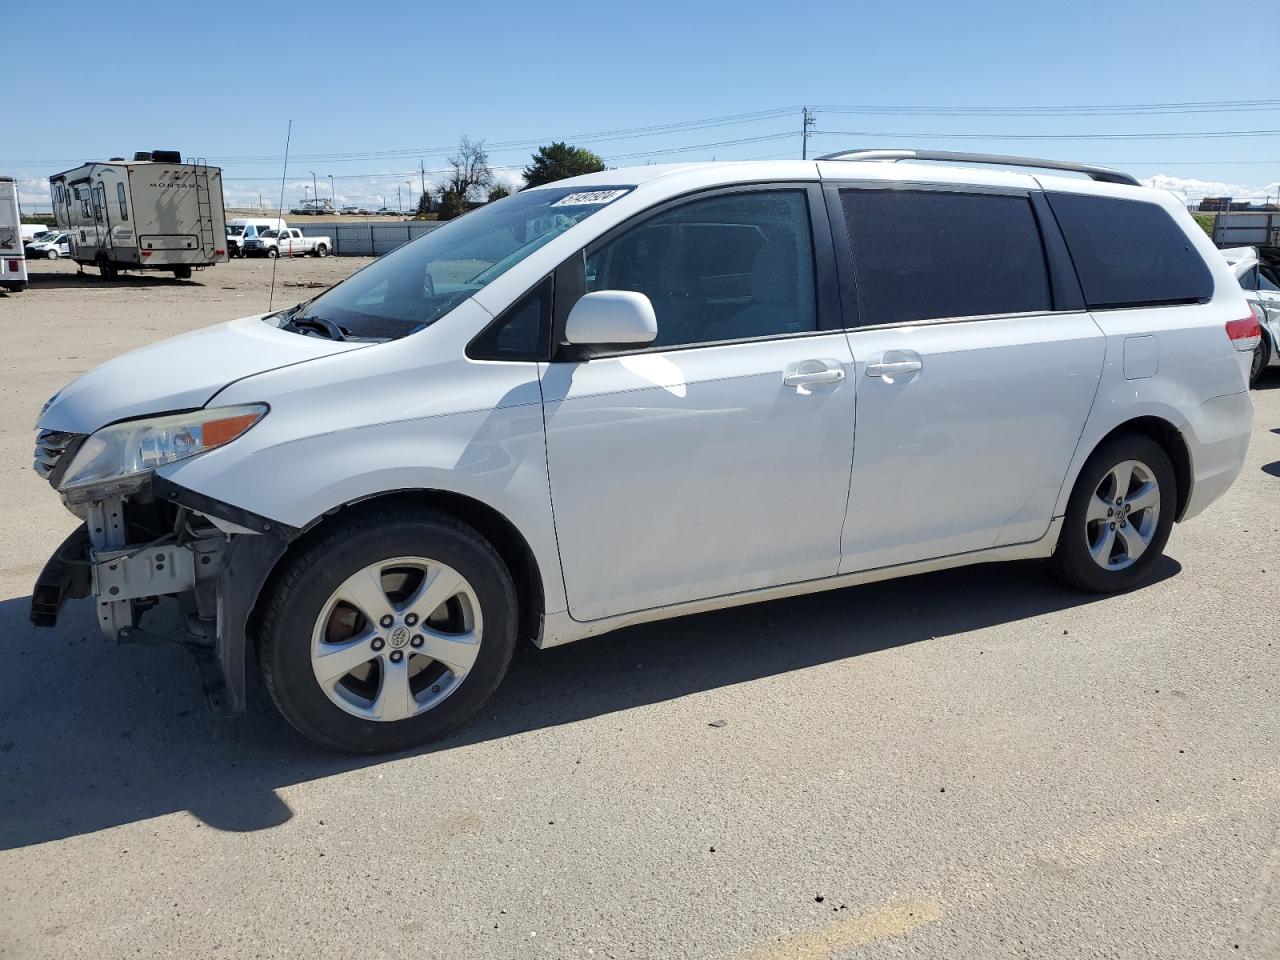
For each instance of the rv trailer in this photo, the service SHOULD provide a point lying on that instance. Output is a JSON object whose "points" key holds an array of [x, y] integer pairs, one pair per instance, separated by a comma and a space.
{"points": [[13, 261], [150, 213]]}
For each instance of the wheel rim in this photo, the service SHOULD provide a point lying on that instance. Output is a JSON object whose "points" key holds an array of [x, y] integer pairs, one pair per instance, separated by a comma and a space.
{"points": [[1123, 514], [396, 638], [1255, 368]]}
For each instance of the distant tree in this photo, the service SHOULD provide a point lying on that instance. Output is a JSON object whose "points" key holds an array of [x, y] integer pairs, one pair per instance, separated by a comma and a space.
{"points": [[498, 191], [424, 205], [471, 171], [452, 203], [558, 161]]}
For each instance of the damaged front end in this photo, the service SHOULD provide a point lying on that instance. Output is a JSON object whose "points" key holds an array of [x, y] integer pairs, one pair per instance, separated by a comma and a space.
{"points": [[144, 538]]}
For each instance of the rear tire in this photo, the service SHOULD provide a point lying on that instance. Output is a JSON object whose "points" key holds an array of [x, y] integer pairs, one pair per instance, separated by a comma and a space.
{"points": [[108, 271], [322, 250], [1107, 546], [182, 273], [1261, 357], [304, 622]]}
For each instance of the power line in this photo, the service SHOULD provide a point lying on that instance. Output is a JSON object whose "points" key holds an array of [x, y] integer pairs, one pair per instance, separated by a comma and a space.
{"points": [[1189, 135]]}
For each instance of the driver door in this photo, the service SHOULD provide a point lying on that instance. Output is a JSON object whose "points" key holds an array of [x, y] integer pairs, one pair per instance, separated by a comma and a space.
{"points": [[716, 460]]}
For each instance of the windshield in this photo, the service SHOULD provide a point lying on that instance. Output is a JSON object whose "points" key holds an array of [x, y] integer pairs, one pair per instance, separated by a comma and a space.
{"points": [[418, 283], [235, 230]]}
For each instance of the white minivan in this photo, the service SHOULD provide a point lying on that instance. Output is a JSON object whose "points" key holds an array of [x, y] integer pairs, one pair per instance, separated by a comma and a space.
{"points": [[648, 392]]}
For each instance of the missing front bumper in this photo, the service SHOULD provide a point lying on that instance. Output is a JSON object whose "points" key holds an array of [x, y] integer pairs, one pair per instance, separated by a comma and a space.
{"points": [[215, 576]]}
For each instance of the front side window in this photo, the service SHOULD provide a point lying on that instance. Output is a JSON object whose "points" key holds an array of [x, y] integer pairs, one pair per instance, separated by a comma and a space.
{"points": [[932, 254], [727, 267], [1129, 253], [124, 206], [418, 283]]}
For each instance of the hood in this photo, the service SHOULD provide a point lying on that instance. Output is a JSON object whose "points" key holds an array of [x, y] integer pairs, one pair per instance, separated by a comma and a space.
{"points": [[183, 373]]}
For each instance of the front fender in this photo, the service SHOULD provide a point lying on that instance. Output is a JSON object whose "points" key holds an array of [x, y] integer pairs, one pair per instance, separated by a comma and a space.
{"points": [[496, 457]]}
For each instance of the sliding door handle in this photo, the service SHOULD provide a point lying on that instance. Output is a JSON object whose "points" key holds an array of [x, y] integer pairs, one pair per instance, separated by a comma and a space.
{"points": [[894, 364]]}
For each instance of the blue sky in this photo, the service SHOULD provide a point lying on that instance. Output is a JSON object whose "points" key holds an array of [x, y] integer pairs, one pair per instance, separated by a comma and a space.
{"points": [[375, 87]]}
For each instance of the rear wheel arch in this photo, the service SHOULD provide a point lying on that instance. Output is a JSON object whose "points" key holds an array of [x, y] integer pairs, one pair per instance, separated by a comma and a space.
{"points": [[1174, 444], [511, 545]]}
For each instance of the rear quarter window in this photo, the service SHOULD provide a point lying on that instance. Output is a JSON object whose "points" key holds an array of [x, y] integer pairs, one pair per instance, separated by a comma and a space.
{"points": [[1130, 253]]}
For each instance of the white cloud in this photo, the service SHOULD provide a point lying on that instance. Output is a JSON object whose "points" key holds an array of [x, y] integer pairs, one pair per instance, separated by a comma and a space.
{"points": [[1191, 189]]}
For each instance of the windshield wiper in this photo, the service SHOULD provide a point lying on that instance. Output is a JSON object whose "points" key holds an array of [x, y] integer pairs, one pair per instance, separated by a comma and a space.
{"points": [[321, 325]]}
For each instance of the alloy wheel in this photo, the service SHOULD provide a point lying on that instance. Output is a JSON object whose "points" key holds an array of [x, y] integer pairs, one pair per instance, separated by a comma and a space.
{"points": [[396, 638], [1123, 515]]}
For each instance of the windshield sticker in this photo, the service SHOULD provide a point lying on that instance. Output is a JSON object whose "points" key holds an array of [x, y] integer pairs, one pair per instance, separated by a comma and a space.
{"points": [[590, 197]]}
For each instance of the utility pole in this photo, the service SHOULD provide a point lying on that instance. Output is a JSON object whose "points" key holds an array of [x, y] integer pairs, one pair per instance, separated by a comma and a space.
{"points": [[333, 197], [399, 205], [806, 125], [422, 174], [314, 192]]}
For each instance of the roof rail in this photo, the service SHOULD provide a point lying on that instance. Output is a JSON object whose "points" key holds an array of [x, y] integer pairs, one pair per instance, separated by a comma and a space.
{"points": [[1101, 174]]}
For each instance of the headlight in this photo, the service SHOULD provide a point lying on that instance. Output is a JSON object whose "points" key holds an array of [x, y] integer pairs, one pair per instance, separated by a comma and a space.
{"points": [[138, 446]]}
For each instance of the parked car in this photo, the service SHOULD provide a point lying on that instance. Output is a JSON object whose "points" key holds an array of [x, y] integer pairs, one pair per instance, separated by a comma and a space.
{"points": [[241, 229], [49, 246], [288, 243], [648, 392], [350, 211], [1258, 270]]}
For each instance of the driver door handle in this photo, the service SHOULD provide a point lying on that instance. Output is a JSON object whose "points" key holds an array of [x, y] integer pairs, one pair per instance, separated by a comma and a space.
{"points": [[806, 373]]}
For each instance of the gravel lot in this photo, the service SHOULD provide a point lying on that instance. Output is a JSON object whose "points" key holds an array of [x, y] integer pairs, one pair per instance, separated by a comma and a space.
{"points": [[973, 764]]}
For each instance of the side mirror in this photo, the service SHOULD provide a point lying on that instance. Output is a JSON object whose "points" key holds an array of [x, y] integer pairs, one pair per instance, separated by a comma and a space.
{"points": [[609, 317]]}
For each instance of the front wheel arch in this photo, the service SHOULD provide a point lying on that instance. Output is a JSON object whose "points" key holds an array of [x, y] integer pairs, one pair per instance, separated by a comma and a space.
{"points": [[510, 544]]}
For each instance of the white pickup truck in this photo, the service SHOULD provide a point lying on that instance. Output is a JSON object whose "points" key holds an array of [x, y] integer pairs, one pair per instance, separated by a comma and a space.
{"points": [[287, 243]]}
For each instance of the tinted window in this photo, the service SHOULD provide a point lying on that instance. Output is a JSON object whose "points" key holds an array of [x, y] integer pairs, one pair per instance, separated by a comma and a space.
{"points": [[1268, 278], [124, 206], [1129, 253], [720, 268], [920, 255], [523, 332]]}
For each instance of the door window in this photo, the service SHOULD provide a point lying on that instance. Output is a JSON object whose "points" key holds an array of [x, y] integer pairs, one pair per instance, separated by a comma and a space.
{"points": [[727, 267], [124, 206], [930, 254], [1268, 278]]}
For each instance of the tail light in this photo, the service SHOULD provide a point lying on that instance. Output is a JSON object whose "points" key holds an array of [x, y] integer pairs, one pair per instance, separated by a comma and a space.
{"points": [[1245, 334]]}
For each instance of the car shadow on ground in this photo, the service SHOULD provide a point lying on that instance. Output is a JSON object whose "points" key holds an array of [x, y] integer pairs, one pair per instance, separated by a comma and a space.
{"points": [[92, 737], [92, 281]]}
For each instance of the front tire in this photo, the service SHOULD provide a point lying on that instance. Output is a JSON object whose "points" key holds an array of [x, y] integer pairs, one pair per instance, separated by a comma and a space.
{"points": [[51, 255], [351, 654], [1119, 516], [272, 252]]}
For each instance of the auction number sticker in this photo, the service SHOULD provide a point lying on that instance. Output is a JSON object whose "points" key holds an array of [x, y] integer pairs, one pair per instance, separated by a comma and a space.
{"points": [[590, 197]]}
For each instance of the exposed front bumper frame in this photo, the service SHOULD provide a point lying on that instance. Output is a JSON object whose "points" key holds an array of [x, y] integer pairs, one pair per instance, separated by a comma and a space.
{"points": [[216, 579]]}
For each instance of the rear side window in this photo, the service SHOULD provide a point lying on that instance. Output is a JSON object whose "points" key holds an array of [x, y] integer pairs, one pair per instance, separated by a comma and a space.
{"points": [[1129, 253], [924, 254]]}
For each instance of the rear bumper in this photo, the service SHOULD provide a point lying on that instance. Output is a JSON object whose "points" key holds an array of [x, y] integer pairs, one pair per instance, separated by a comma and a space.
{"points": [[1217, 435]]}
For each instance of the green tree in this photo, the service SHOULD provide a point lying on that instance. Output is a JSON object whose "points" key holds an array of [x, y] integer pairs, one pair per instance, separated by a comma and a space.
{"points": [[498, 191], [558, 161], [424, 205], [452, 203]]}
